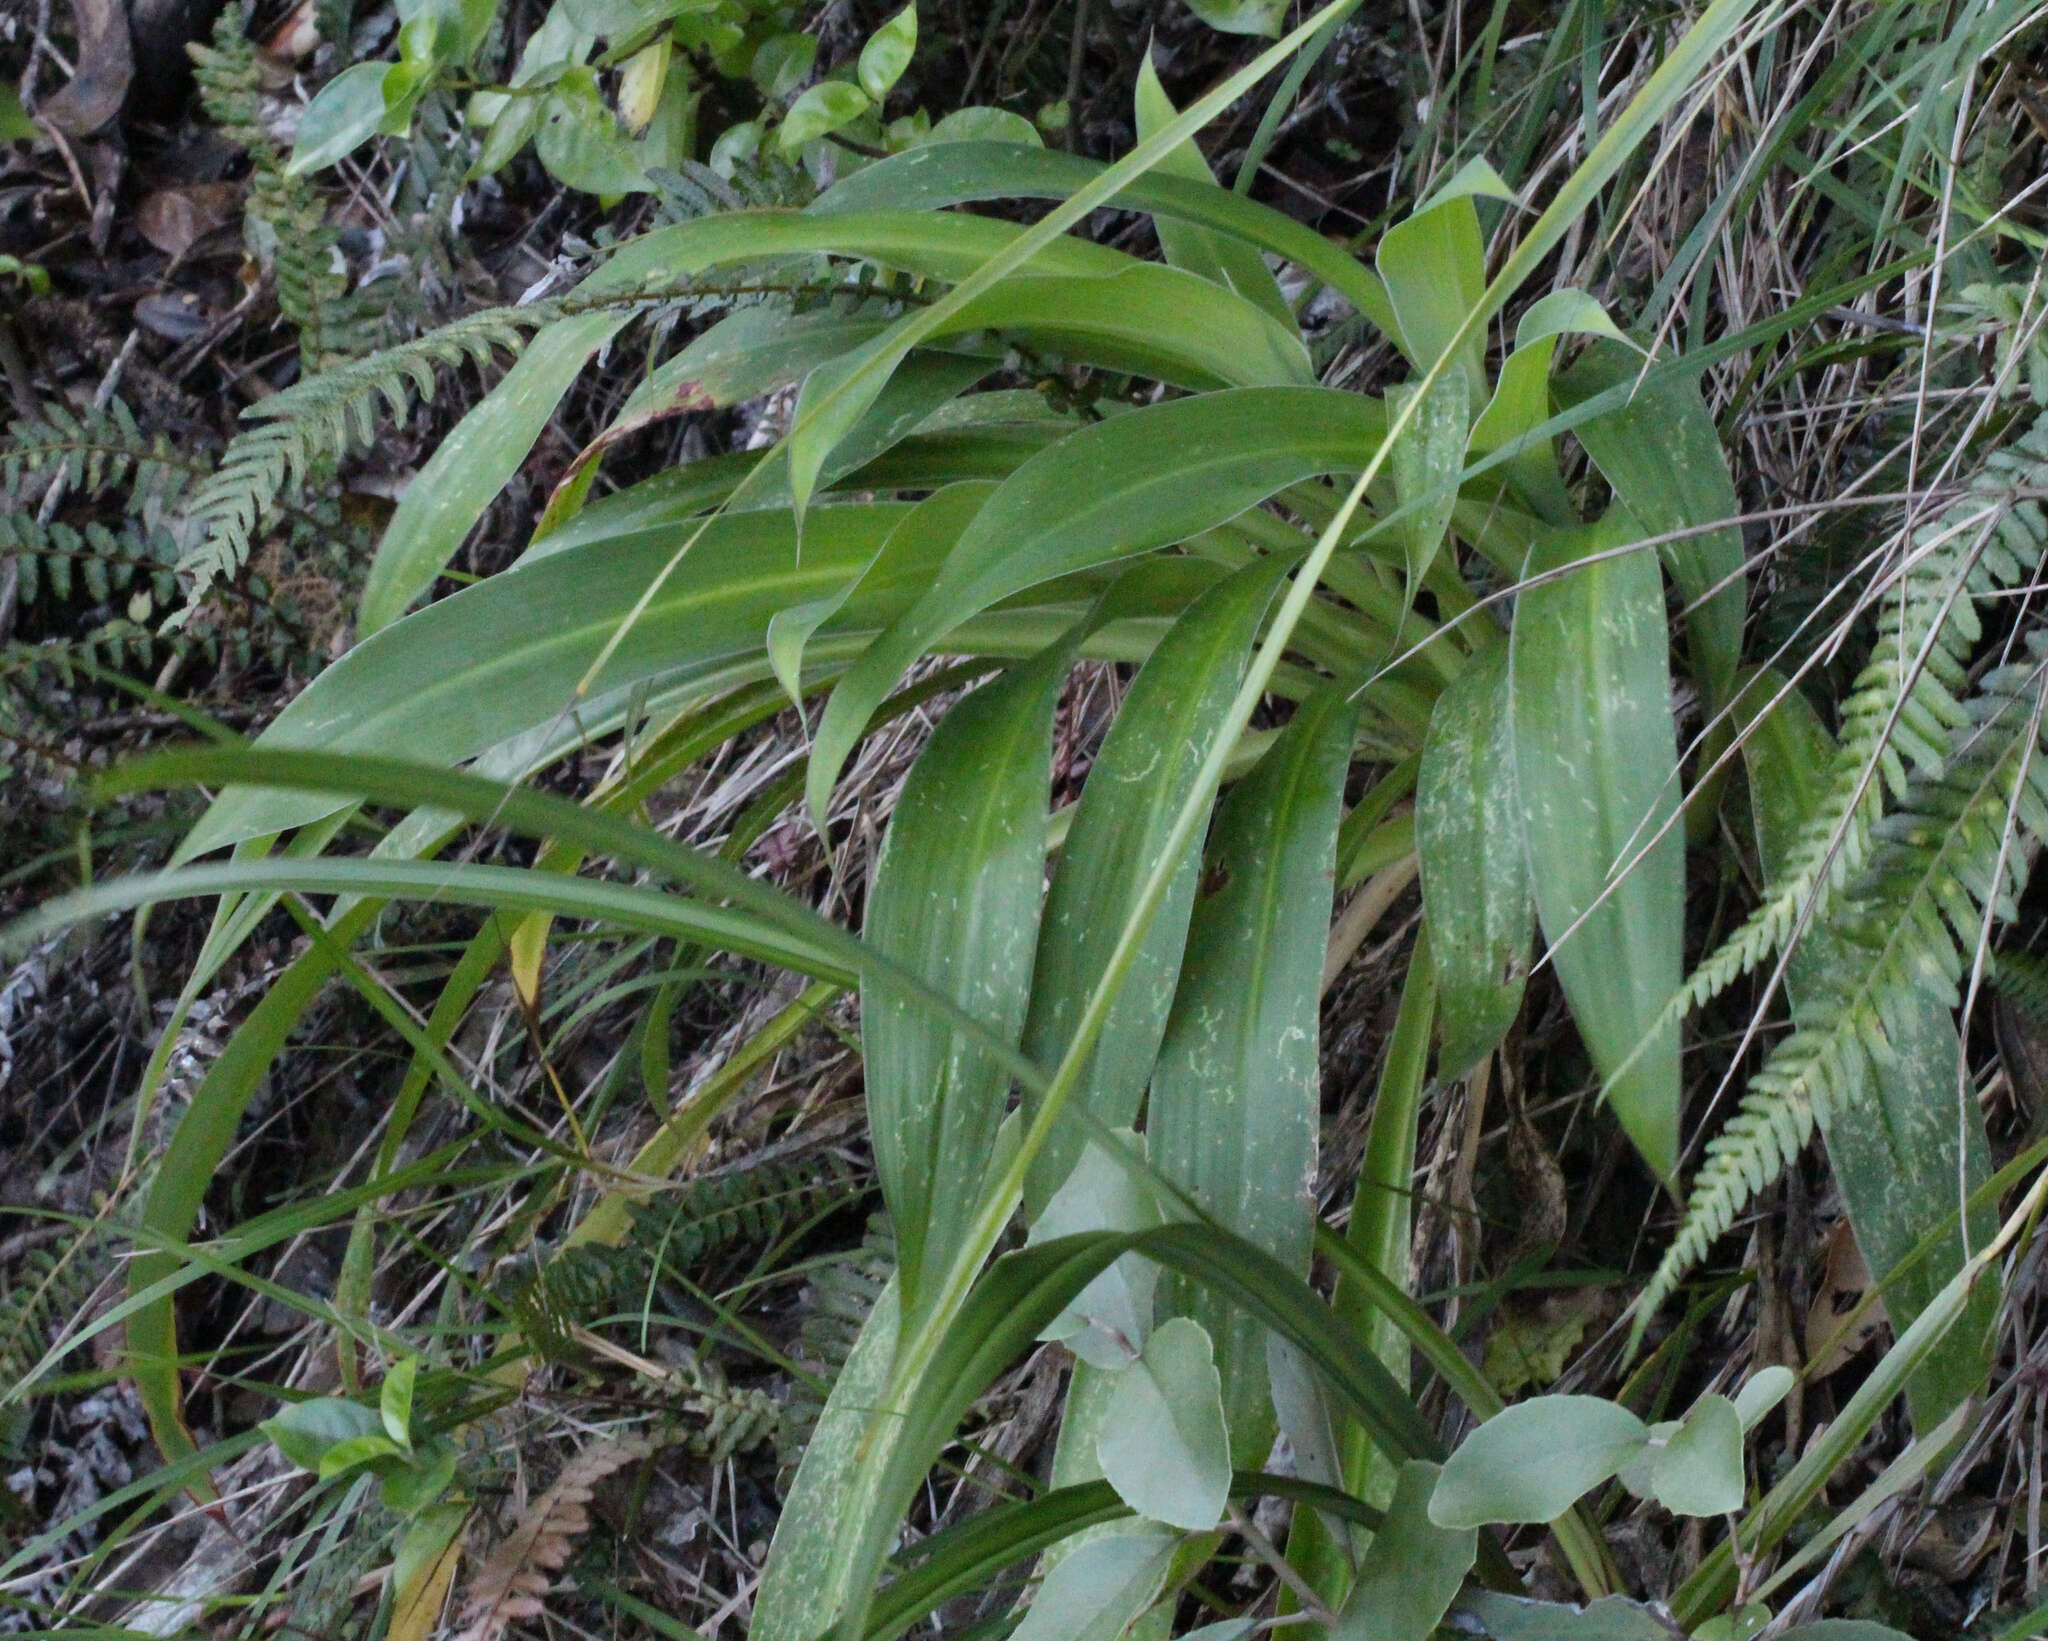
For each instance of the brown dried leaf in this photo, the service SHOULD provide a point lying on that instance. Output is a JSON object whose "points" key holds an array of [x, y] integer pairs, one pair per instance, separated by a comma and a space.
{"points": [[106, 65], [176, 219], [1844, 1286], [514, 1579], [296, 38]]}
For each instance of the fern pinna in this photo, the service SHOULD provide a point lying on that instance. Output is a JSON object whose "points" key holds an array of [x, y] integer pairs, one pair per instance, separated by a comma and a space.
{"points": [[1950, 858]]}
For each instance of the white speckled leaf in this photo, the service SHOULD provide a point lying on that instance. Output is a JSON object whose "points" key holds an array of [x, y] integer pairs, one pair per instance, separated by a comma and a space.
{"points": [[1138, 782], [1596, 758], [956, 899], [1236, 1098], [1475, 870]]}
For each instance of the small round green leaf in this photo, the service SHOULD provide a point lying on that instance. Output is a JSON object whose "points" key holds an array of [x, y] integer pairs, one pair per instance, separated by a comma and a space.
{"points": [[1529, 1463], [980, 124], [341, 118], [1765, 1389], [345, 1456], [1241, 16], [887, 53], [783, 62], [615, 19], [819, 112], [1108, 1321], [1699, 1471], [1164, 1447], [15, 125], [394, 1402], [305, 1431], [736, 146], [1739, 1625], [580, 143], [1091, 1594], [412, 1488]]}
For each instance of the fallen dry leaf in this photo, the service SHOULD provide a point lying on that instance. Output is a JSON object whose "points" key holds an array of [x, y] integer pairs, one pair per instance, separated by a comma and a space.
{"points": [[176, 219], [295, 38], [1844, 1287], [106, 65]]}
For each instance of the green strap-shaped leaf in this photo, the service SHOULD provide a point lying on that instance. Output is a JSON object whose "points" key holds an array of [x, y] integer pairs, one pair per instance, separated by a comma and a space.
{"points": [[932, 245], [501, 888], [1596, 761], [967, 1556], [984, 436], [1475, 869], [1236, 1100], [1144, 320], [473, 463], [727, 901], [1427, 460], [752, 352], [940, 175], [956, 901], [1435, 268], [1521, 398], [197, 1146], [1137, 783], [1136, 482], [1662, 455], [1903, 1148], [1375, 1263], [808, 1532], [925, 382], [941, 516], [1007, 1308], [498, 658], [1224, 259]]}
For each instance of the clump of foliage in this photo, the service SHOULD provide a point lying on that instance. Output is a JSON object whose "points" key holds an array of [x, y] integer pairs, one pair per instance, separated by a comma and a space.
{"points": [[1448, 607]]}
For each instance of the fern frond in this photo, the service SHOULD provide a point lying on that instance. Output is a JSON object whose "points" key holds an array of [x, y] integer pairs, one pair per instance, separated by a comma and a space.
{"points": [[694, 190], [57, 559], [1941, 867], [2005, 310], [91, 451], [734, 1420], [325, 416], [749, 1207], [46, 1291], [514, 1580], [227, 77], [843, 1294], [2021, 978], [1905, 704], [675, 1235]]}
